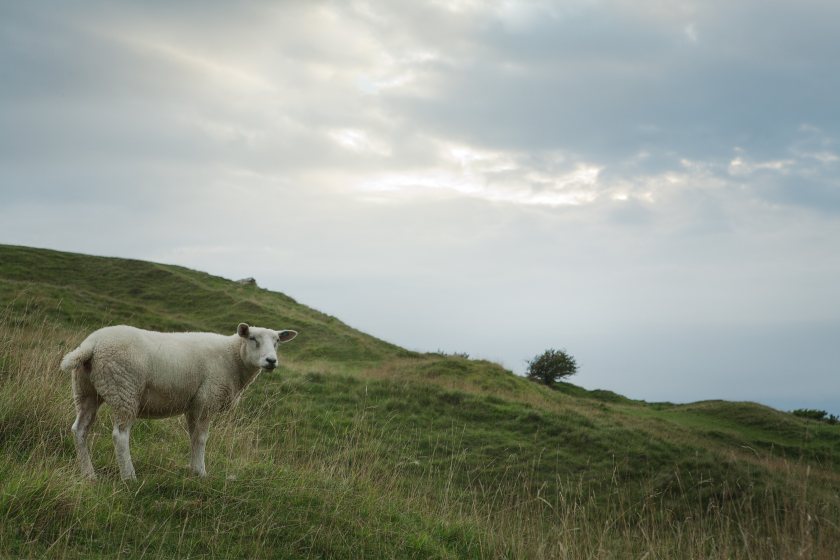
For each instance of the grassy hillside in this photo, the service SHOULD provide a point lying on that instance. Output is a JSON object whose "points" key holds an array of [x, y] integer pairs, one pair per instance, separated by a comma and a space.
{"points": [[356, 448], [85, 292]]}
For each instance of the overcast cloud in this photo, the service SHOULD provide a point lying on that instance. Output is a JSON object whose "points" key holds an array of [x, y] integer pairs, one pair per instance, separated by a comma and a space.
{"points": [[650, 185]]}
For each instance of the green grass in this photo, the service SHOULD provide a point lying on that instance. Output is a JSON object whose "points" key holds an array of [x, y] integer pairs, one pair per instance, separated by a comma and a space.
{"points": [[356, 448]]}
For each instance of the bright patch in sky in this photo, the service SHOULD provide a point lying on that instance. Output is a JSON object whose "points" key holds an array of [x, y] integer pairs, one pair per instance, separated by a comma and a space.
{"points": [[359, 141]]}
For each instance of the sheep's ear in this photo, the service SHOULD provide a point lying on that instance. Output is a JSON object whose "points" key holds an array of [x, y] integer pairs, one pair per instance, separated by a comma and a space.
{"points": [[243, 330], [286, 336]]}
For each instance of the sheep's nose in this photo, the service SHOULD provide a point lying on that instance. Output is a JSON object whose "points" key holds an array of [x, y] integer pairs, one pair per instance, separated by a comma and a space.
{"points": [[271, 361]]}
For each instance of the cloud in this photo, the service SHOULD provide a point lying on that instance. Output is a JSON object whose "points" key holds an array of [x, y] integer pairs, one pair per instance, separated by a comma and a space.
{"points": [[609, 81], [595, 87]]}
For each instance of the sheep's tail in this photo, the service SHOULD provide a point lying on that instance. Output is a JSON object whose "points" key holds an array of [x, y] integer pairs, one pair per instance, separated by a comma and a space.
{"points": [[77, 358]]}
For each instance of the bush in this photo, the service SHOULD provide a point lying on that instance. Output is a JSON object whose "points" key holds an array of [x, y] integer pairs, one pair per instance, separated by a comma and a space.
{"points": [[813, 414], [551, 366]]}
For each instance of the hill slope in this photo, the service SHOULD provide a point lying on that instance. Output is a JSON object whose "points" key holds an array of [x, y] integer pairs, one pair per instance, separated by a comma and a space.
{"points": [[358, 448], [89, 292]]}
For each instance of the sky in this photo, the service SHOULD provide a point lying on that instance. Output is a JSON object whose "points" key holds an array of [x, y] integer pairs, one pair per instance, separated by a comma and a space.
{"points": [[650, 185]]}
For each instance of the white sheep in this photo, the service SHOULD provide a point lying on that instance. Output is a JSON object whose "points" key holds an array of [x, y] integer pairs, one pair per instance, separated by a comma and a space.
{"points": [[146, 374]]}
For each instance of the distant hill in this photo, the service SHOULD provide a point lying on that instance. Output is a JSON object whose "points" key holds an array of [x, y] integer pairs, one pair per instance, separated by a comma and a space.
{"points": [[359, 448]]}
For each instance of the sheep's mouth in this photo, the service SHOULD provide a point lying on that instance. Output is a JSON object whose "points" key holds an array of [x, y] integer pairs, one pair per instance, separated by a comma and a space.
{"points": [[269, 368]]}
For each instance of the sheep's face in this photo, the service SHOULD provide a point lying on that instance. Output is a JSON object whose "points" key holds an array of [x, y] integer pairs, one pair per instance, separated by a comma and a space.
{"points": [[259, 346]]}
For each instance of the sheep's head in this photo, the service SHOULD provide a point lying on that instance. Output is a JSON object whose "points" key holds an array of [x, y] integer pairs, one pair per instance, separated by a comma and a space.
{"points": [[259, 346]]}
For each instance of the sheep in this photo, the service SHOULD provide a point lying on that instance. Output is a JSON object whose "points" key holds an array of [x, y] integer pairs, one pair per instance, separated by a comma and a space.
{"points": [[147, 374]]}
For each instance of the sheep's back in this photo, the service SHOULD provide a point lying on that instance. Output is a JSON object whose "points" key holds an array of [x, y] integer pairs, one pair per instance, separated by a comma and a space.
{"points": [[164, 371]]}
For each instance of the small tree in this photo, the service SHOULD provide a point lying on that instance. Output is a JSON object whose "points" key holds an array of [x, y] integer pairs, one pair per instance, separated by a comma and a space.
{"points": [[552, 366], [813, 414]]}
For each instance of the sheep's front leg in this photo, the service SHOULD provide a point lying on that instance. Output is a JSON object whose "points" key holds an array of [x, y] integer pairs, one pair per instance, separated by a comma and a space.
{"points": [[199, 425], [122, 430]]}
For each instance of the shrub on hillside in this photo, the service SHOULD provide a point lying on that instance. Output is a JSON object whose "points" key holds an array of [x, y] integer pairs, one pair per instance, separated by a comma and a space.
{"points": [[551, 366], [813, 414]]}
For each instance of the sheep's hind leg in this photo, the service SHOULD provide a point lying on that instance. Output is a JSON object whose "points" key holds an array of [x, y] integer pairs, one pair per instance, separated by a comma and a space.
{"points": [[122, 430], [199, 427], [86, 407]]}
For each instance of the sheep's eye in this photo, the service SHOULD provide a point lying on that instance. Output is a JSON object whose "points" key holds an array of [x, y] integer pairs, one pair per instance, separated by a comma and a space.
{"points": [[255, 340]]}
